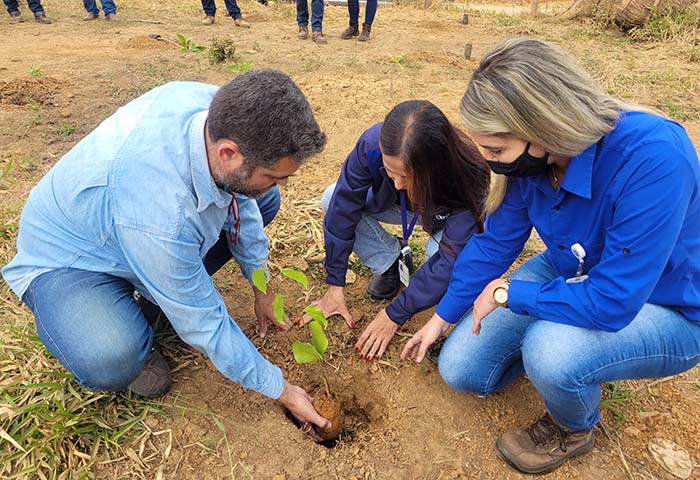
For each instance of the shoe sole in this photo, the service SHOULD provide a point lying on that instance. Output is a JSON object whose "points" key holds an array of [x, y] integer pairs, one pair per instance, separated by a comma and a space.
{"points": [[380, 297], [542, 470]]}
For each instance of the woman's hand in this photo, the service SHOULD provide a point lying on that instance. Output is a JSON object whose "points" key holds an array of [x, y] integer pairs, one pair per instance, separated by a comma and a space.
{"points": [[420, 342], [332, 303], [376, 337], [484, 305]]}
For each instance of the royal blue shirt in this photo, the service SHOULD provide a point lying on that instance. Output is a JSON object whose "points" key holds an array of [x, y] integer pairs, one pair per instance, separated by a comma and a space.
{"points": [[136, 199], [630, 200], [359, 190]]}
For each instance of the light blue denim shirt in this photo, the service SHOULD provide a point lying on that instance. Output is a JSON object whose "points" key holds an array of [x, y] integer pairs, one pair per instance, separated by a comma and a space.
{"points": [[135, 199]]}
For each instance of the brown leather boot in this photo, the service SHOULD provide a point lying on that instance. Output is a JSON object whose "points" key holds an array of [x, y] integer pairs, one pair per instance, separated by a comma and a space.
{"points": [[364, 36], [42, 19], [155, 380], [542, 446], [319, 38], [16, 18], [303, 33], [351, 31]]}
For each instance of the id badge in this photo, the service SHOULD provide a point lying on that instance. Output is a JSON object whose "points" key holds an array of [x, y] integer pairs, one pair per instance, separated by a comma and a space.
{"points": [[404, 275], [577, 279]]}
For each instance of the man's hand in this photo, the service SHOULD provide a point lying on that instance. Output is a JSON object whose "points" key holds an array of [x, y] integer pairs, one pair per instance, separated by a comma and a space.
{"points": [[484, 304], [376, 337], [420, 342], [299, 403], [265, 314], [332, 303]]}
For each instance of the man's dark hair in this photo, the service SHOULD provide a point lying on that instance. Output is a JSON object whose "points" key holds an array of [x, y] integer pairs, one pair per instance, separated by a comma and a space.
{"points": [[266, 114]]}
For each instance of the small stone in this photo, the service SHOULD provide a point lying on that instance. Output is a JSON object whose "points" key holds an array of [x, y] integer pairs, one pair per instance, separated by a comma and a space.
{"points": [[279, 476], [244, 455], [350, 277]]}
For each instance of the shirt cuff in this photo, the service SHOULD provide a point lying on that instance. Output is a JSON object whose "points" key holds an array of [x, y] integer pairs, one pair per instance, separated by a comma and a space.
{"points": [[393, 311], [274, 386], [522, 297], [451, 309]]}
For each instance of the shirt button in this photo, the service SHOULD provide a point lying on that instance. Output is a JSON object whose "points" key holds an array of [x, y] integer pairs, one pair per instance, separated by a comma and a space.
{"points": [[561, 247], [626, 251]]}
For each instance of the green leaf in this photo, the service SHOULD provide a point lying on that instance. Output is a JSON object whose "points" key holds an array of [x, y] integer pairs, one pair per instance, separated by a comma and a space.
{"points": [[316, 314], [318, 337], [278, 308], [296, 275], [260, 280], [305, 353], [198, 48], [181, 38]]}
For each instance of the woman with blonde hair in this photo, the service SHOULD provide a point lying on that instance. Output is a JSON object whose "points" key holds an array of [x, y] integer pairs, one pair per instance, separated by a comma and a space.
{"points": [[613, 190]]}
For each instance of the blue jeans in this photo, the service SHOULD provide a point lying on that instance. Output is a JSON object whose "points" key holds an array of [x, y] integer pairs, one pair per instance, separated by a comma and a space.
{"points": [[91, 323], [354, 11], [209, 8], [566, 364], [375, 247], [316, 14], [108, 7], [34, 6]]}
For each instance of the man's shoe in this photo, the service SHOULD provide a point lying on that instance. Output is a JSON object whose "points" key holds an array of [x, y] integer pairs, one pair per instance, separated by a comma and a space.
{"points": [[351, 31], [208, 20], [386, 285], [90, 17], [239, 22], [112, 17], [155, 379], [42, 19], [303, 33], [364, 36], [542, 446], [16, 18], [319, 38]]}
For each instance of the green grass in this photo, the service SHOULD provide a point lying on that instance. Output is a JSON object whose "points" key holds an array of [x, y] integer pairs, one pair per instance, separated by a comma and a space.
{"points": [[677, 25], [617, 397], [51, 428]]}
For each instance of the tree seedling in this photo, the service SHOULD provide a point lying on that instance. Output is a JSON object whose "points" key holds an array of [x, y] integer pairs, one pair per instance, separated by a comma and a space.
{"points": [[304, 352], [35, 72], [241, 67], [188, 45]]}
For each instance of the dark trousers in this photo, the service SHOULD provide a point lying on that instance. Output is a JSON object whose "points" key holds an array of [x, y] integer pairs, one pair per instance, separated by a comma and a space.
{"points": [[209, 8], [34, 6], [354, 11]]}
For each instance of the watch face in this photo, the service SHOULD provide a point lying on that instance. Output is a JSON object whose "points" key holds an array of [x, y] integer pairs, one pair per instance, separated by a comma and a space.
{"points": [[500, 295]]}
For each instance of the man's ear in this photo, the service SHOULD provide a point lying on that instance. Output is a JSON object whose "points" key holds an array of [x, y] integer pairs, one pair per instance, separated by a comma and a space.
{"points": [[229, 154]]}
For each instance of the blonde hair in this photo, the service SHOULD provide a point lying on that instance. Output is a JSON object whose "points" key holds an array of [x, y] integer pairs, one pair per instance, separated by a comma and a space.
{"points": [[535, 91]]}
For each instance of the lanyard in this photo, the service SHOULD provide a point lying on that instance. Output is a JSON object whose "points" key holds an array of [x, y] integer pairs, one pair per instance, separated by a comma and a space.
{"points": [[407, 229], [233, 214]]}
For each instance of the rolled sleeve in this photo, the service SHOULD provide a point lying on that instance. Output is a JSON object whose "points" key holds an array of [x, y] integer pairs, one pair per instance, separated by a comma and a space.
{"points": [[175, 277]]}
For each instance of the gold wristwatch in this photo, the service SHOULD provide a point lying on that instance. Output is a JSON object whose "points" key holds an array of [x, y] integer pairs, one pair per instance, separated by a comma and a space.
{"points": [[500, 294]]}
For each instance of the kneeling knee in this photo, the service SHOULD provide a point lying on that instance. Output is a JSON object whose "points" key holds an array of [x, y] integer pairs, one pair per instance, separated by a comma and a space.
{"points": [[112, 371], [462, 378]]}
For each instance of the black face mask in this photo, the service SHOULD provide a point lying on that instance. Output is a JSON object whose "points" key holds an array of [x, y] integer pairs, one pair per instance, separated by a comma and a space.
{"points": [[524, 166]]}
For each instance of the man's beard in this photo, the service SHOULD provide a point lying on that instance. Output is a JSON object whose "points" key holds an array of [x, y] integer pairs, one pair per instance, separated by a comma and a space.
{"points": [[237, 182]]}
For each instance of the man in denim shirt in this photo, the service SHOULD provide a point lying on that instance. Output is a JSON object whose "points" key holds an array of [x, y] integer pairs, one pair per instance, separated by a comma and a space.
{"points": [[139, 204]]}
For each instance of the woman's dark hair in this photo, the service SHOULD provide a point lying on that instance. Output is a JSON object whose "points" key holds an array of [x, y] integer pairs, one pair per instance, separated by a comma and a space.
{"points": [[444, 168]]}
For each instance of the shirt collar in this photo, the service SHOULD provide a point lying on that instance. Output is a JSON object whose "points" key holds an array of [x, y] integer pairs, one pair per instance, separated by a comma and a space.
{"points": [[579, 174], [205, 189]]}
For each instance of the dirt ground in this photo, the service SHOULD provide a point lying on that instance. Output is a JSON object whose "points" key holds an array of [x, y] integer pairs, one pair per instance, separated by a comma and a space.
{"points": [[57, 82]]}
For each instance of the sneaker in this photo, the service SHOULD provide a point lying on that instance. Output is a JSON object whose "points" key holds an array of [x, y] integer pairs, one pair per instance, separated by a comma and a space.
{"points": [[364, 36], [90, 17], [208, 20], [303, 33], [16, 18], [542, 446], [319, 38], [112, 17], [351, 31], [386, 285], [42, 19], [155, 380], [239, 22]]}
